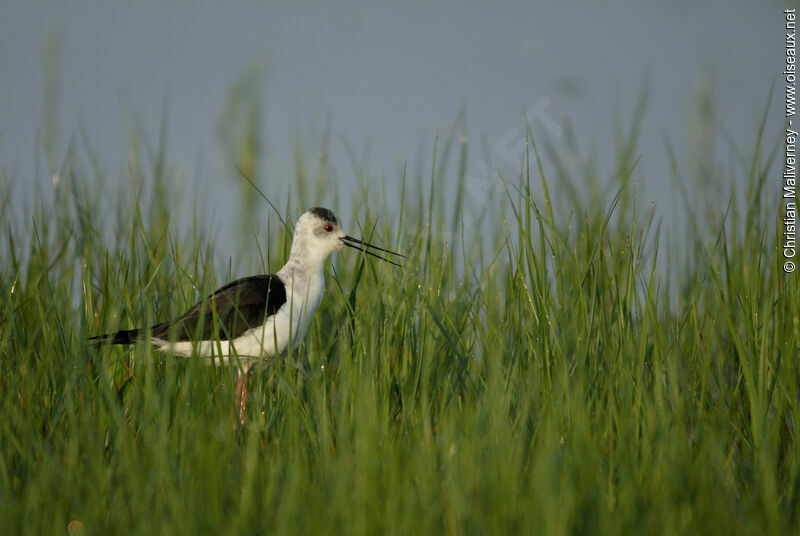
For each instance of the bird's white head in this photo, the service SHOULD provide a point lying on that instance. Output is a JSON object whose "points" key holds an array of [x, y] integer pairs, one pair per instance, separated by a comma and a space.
{"points": [[316, 235]]}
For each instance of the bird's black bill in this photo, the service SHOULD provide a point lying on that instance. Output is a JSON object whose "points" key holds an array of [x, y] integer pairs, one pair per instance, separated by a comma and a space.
{"points": [[355, 243]]}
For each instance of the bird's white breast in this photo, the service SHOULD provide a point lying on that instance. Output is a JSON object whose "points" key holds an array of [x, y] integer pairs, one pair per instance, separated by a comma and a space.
{"points": [[304, 294]]}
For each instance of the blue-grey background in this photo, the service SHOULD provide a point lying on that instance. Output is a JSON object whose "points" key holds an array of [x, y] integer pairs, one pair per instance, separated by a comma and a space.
{"points": [[380, 78]]}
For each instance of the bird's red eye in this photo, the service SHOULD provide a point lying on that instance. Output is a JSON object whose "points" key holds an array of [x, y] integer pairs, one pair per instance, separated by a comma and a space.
{"points": [[328, 228]]}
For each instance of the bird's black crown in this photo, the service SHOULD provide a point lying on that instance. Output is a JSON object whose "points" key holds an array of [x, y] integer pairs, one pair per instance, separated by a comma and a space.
{"points": [[324, 214]]}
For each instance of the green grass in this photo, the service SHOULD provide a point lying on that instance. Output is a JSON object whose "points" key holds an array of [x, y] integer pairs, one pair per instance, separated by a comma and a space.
{"points": [[547, 380]]}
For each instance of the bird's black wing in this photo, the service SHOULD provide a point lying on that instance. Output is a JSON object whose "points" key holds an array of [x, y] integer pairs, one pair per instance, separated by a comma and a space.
{"points": [[227, 314]]}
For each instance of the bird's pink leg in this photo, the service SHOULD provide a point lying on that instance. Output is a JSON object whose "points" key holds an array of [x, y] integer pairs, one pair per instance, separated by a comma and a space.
{"points": [[241, 394]]}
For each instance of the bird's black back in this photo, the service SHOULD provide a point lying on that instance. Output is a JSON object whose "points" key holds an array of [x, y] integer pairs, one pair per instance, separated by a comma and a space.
{"points": [[226, 314]]}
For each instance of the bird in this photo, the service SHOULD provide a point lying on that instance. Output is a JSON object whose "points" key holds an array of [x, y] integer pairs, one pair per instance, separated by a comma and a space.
{"points": [[249, 321]]}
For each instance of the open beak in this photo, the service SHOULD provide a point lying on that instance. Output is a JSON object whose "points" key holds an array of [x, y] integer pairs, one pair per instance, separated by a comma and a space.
{"points": [[355, 243]]}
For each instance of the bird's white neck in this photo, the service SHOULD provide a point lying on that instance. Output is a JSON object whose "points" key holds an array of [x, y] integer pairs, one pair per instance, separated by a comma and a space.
{"points": [[304, 278], [304, 261], [299, 269]]}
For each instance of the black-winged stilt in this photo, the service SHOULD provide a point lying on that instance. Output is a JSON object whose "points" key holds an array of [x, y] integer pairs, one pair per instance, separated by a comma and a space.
{"points": [[252, 319]]}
